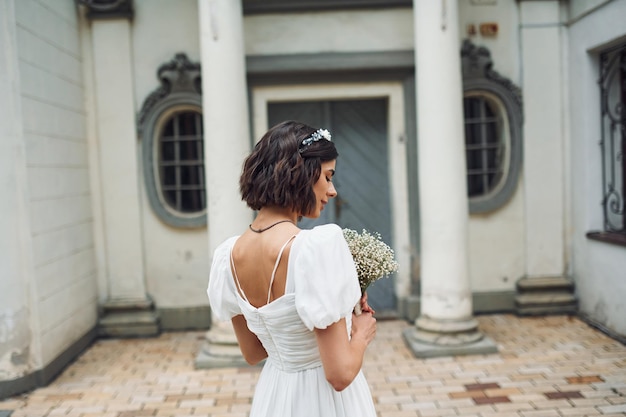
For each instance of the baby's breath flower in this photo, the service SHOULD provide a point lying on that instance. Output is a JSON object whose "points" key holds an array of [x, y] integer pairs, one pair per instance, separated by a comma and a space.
{"points": [[373, 258]]}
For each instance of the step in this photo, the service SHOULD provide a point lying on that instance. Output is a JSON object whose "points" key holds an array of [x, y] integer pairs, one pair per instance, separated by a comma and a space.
{"points": [[545, 298], [545, 283], [548, 309]]}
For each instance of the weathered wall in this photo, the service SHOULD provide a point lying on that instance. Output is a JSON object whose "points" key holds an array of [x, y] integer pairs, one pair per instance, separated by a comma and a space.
{"points": [[599, 269], [496, 239], [59, 211], [48, 281], [18, 351], [176, 260]]}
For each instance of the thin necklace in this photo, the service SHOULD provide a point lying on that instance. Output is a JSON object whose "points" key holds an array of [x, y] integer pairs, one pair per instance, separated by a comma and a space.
{"points": [[270, 226]]}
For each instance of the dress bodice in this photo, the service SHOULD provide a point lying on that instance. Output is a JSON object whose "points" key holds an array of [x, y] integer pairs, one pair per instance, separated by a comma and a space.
{"points": [[289, 344]]}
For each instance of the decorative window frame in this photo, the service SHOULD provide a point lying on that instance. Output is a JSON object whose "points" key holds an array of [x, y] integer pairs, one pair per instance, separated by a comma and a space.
{"points": [[180, 90], [480, 79]]}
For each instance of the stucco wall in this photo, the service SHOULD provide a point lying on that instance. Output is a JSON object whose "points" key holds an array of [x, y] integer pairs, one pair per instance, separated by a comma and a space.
{"points": [[316, 32], [599, 269], [578, 8], [18, 351], [57, 171], [176, 260], [496, 239]]}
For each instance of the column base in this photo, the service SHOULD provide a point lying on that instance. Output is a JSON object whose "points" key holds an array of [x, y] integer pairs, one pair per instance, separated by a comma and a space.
{"points": [[220, 349], [432, 338]]}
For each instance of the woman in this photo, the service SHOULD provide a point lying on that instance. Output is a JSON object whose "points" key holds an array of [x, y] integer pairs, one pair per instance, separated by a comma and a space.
{"points": [[289, 292]]}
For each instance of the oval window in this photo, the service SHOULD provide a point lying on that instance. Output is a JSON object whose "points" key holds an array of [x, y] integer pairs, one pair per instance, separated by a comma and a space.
{"points": [[180, 167], [487, 145]]}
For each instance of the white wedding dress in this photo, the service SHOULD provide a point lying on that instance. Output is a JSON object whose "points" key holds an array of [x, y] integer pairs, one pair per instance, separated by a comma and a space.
{"points": [[322, 287]]}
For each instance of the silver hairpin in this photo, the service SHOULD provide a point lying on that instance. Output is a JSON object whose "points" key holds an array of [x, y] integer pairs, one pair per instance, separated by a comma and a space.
{"points": [[315, 136]]}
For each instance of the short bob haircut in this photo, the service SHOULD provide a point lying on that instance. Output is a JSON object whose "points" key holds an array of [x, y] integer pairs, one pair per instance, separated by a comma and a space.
{"points": [[281, 172]]}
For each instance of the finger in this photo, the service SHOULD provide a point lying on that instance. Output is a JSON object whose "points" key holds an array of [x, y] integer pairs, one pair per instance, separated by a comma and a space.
{"points": [[367, 307]]}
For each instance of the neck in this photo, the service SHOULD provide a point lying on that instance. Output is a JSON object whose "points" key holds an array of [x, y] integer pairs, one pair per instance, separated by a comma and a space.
{"points": [[268, 215]]}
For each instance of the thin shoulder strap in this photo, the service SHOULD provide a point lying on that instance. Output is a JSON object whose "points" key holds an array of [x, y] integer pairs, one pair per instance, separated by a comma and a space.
{"points": [[280, 254], [232, 265]]}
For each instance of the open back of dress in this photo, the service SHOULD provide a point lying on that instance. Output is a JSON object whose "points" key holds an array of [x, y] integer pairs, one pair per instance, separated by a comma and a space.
{"points": [[321, 288]]}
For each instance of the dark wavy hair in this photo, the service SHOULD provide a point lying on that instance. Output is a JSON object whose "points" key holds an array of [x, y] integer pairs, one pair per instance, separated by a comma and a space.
{"points": [[280, 172]]}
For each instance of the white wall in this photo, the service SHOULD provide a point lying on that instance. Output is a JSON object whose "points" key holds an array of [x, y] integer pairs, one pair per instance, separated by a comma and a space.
{"points": [[57, 171], [578, 8], [316, 32], [18, 315], [599, 269], [496, 239], [176, 260], [504, 46], [544, 142]]}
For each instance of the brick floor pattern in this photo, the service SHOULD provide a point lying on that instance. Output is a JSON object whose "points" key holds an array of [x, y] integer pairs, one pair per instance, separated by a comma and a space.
{"points": [[546, 366]]}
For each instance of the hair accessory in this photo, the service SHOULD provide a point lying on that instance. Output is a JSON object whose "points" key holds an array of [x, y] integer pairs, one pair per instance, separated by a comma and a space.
{"points": [[315, 136]]}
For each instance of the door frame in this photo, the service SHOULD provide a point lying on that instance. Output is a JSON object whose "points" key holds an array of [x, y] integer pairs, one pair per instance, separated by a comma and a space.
{"points": [[396, 143]]}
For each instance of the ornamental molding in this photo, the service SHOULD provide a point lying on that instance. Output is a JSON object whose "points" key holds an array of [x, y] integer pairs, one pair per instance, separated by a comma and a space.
{"points": [[108, 9], [477, 64], [178, 77]]}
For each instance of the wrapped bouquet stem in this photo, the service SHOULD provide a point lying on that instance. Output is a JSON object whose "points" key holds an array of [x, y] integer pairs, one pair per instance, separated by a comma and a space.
{"points": [[374, 259]]}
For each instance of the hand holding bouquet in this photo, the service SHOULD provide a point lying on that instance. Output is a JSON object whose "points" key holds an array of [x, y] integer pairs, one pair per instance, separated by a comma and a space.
{"points": [[373, 258]]}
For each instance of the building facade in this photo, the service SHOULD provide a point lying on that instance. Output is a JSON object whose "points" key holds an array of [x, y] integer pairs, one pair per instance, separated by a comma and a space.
{"points": [[483, 139]]}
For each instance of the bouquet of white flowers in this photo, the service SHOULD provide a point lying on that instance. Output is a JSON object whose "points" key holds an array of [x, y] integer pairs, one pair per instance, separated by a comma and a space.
{"points": [[374, 259]]}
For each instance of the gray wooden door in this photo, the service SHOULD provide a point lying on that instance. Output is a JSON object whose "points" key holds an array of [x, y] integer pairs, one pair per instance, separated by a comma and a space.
{"points": [[359, 131]]}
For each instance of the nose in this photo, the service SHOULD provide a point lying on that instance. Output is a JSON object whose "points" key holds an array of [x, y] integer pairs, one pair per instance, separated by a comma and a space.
{"points": [[332, 192]]}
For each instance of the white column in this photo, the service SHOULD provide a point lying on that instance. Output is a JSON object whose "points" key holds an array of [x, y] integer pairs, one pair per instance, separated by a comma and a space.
{"points": [[119, 175], [445, 325], [227, 142]]}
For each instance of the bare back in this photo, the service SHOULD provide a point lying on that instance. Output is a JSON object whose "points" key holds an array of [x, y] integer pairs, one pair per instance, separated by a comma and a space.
{"points": [[254, 257]]}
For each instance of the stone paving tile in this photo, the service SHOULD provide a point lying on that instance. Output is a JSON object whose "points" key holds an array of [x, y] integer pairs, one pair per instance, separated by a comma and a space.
{"points": [[546, 366]]}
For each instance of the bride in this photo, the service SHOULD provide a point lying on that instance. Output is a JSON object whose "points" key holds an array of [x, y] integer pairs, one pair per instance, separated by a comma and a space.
{"points": [[290, 293]]}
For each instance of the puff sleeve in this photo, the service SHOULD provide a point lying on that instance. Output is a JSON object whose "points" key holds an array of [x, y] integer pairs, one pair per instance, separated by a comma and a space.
{"points": [[325, 277], [222, 290]]}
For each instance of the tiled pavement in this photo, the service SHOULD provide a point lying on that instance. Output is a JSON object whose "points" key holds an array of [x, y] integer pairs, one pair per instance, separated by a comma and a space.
{"points": [[546, 366]]}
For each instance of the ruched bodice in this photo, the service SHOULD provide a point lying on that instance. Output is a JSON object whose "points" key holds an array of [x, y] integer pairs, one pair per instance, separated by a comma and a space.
{"points": [[289, 344], [321, 288]]}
